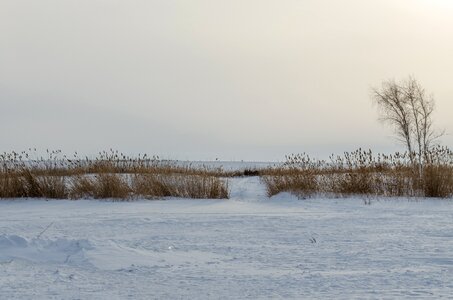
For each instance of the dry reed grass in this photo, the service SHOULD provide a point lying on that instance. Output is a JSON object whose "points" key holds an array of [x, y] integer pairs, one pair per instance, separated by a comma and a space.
{"points": [[362, 173], [179, 185], [109, 175]]}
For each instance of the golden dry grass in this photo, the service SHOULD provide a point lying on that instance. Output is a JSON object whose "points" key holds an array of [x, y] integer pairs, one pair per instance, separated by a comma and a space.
{"points": [[116, 176], [362, 173], [109, 175]]}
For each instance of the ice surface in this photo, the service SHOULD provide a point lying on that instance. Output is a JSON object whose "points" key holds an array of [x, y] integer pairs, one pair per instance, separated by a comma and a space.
{"points": [[248, 247]]}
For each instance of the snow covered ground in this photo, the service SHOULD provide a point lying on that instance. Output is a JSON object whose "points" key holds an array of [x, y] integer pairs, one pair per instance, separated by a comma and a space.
{"points": [[248, 247]]}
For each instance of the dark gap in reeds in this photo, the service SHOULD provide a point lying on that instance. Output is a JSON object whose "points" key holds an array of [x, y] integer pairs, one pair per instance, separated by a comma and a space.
{"points": [[109, 175], [362, 173]]}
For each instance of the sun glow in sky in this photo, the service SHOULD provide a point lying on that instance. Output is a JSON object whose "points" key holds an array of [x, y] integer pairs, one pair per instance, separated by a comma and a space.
{"points": [[439, 3], [250, 80], [441, 8]]}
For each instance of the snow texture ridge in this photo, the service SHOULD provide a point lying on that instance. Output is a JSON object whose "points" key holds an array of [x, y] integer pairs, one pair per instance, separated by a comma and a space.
{"points": [[41, 250]]}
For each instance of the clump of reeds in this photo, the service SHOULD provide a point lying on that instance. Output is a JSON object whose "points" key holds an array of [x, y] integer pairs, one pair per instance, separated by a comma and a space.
{"points": [[437, 173], [18, 178], [109, 175], [179, 185], [100, 186], [298, 175], [362, 173]]}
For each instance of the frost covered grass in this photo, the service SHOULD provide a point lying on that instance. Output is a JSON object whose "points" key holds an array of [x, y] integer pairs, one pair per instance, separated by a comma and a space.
{"points": [[109, 175], [363, 173]]}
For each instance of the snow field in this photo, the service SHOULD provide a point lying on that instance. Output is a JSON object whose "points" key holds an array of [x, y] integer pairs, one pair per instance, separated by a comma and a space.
{"points": [[248, 247]]}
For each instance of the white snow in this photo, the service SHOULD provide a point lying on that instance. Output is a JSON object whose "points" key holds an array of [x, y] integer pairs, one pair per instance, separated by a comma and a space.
{"points": [[248, 247]]}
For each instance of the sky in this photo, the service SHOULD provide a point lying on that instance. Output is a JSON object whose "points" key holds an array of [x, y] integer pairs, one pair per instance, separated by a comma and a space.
{"points": [[210, 79]]}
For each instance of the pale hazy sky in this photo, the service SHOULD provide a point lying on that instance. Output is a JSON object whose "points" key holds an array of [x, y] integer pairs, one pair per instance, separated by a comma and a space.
{"points": [[231, 79]]}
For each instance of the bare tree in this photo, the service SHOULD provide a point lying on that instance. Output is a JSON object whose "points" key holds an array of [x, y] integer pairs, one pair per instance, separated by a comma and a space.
{"points": [[406, 106], [392, 104]]}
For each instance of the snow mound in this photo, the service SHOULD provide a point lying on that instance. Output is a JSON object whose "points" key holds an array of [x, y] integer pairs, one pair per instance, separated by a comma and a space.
{"points": [[13, 247]]}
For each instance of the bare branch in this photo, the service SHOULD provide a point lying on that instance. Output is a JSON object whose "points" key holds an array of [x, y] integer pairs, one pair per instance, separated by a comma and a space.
{"points": [[406, 107]]}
